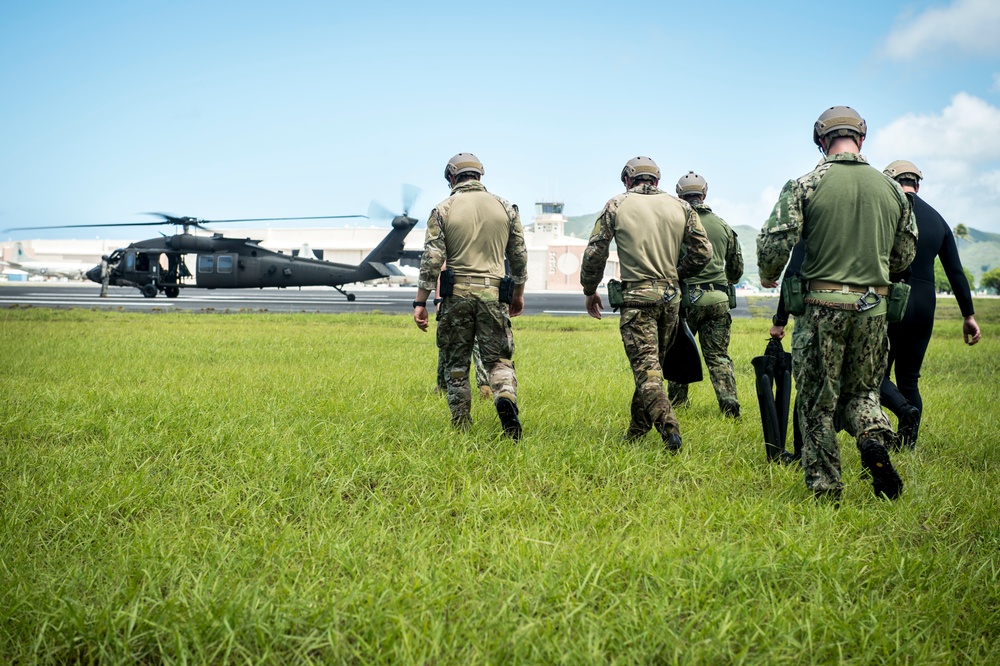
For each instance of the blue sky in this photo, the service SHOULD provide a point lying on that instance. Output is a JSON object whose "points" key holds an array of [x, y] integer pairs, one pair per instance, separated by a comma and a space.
{"points": [[258, 109]]}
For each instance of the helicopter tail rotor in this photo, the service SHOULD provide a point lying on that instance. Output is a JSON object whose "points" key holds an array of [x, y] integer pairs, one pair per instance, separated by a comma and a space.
{"points": [[410, 194], [377, 211]]}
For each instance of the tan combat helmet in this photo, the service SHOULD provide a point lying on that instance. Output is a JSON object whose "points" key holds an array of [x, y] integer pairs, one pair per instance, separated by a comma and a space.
{"points": [[463, 163], [638, 166], [692, 184], [901, 169], [838, 121]]}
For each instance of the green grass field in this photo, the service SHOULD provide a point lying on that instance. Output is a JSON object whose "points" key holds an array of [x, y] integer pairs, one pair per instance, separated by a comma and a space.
{"points": [[262, 488]]}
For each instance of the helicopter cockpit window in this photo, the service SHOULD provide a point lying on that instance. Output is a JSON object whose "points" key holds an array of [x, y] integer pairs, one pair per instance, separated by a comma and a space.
{"points": [[130, 261], [225, 264], [206, 263]]}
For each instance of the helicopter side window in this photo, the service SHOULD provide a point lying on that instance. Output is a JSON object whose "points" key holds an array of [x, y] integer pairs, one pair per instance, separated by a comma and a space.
{"points": [[206, 263], [225, 264], [130, 261]]}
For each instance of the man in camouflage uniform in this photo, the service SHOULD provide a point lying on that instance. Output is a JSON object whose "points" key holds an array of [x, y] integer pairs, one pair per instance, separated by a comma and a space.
{"points": [[652, 230], [856, 225], [708, 292], [482, 377], [473, 230]]}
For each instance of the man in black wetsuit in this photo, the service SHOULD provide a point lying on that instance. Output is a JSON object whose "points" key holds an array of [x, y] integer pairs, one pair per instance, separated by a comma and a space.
{"points": [[908, 338]]}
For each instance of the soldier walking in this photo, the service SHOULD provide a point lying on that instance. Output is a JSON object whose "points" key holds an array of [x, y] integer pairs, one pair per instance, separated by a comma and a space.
{"points": [[708, 292], [473, 231], [105, 276], [652, 230], [908, 338], [857, 226]]}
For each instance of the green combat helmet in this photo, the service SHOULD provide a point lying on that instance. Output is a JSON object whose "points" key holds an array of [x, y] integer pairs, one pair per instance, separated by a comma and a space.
{"points": [[692, 184], [463, 163], [639, 166], [838, 121], [901, 169]]}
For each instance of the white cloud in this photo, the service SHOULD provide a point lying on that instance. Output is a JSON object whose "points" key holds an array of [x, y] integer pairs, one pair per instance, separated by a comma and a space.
{"points": [[752, 214], [968, 26], [958, 151], [966, 131]]}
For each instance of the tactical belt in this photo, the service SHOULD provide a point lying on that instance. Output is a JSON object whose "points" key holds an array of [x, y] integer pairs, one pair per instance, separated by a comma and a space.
{"points": [[853, 307], [640, 304], [860, 305], [708, 286], [823, 285], [645, 284], [477, 281]]}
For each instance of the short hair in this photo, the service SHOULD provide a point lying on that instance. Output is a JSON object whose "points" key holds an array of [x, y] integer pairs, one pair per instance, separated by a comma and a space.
{"points": [[843, 132], [466, 175], [911, 182], [644, 178]]}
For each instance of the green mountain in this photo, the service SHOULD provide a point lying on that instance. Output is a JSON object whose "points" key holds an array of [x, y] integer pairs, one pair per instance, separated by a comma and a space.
{"points": [[980, 251]]}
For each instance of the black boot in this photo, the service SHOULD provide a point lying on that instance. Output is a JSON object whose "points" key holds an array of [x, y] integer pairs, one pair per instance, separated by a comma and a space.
{"points": [[875, 460], [672, 443], [507, 411], [909, 425], [730, 408]]}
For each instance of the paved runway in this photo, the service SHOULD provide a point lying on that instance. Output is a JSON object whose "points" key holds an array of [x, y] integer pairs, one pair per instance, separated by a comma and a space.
{"points": [[308, 299]]}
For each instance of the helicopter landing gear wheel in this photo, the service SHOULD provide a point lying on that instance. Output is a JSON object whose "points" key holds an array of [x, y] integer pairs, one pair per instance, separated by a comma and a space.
{"points": [[351, 297], [149, 291], [172, 292]]}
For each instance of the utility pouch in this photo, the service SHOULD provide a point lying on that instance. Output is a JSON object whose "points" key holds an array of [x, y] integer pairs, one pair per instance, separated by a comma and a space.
{"points": [[899, 295], [793, 295], [616, 298], [507, 290], [447, 287], [731, 292]]}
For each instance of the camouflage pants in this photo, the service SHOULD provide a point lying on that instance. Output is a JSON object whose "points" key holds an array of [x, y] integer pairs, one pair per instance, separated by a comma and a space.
{"points": [[482, 377], [647, 334], [711, 323], [465, 321], [838, 359]]}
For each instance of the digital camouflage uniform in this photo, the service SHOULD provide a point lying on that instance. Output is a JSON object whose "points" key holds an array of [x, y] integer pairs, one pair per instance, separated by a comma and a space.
{"points": [[473, 231], [651, 229], [708, 314], [857, 225]]}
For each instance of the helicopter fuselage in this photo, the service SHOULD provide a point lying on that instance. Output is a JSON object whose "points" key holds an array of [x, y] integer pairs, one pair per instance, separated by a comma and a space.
{"points": [[158, 264]]}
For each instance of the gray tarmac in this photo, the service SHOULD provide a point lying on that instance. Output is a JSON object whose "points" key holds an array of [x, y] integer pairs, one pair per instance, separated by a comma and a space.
{"points": [[395, 300]]}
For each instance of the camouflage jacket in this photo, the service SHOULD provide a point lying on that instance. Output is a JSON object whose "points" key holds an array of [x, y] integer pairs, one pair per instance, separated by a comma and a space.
{"points": [[695, 251], [435, 240], [789, 221]]}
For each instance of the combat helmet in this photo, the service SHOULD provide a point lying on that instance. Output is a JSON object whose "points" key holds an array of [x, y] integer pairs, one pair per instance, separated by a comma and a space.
{"points": [[838, 121], [901, 168], [463, 163], [638, 166], [691, 183]]}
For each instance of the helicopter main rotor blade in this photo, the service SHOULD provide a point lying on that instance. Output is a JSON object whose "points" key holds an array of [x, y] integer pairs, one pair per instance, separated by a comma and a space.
{"points": [[275, 219], [87, 226], [183, 221]]}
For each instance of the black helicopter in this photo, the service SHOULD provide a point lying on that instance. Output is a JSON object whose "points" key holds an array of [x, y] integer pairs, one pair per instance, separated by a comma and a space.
{"points": [[234, 263]]}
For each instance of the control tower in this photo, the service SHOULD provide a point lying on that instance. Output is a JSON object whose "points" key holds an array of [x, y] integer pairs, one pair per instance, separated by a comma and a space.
{"points": [[550, 223]]}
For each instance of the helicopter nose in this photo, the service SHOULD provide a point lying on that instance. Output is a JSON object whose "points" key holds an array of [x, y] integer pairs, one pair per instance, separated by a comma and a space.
{"points": [[94, 274]]}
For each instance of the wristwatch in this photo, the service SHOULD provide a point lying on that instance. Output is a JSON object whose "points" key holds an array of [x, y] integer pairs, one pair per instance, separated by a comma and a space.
{"points": [[420, 304]]}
